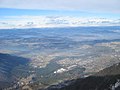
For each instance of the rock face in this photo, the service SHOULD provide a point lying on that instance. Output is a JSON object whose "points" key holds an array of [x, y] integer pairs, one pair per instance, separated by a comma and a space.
{"points": [[7, 64], [106, 79]]}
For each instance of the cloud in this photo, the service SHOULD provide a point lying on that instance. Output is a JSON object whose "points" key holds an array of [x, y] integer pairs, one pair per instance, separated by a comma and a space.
{"points": [[53, 21], [80, 5]]}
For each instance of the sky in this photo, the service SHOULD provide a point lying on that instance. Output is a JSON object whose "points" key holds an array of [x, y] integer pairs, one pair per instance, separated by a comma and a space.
{"points": [[20, 13], [105, 8], [81, 5]]}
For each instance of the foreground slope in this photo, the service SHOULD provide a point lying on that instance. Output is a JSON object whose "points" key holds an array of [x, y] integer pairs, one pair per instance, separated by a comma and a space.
{"points": [[106, 79], [8, 63]]}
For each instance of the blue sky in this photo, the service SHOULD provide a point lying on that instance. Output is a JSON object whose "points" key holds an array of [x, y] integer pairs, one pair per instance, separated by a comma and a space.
{"points": [[33, 12], [77, 8]]}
